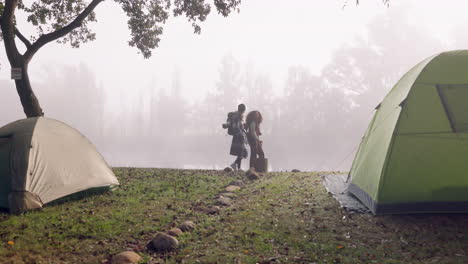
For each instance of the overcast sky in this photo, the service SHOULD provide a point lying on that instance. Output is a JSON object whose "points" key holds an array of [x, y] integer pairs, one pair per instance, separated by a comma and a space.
{"points": [[271, 35]]}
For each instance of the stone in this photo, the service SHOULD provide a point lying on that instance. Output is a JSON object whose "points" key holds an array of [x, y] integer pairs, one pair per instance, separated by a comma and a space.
{"points": [[238, 183], [226, 194], [232, 188], [213, 210], [127, 257], [163, 243], [187, 226], [228, 169], [252, 175], [296, 170], [175, 232], [224, 201]]}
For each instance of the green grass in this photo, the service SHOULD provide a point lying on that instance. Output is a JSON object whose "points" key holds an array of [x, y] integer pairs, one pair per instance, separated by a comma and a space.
{"points": [[281, 218]]}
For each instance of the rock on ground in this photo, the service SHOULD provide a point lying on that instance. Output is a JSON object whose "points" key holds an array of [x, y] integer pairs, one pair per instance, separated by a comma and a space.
{"points": [[163, 243], [296, 170], [228, 169], [127, 257], [232, 188], [252, 175], [238, 183], [175, 232], [224, 201], [213, 210], [187, 226], [226, 194]]}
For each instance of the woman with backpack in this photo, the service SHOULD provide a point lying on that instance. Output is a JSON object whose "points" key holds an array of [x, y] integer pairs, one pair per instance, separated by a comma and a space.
{"points": [[254, 119], [238, 147]]}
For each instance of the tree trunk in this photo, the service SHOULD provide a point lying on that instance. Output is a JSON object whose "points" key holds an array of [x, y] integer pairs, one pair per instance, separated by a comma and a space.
{"points": [[23, 86], [28, 99]]}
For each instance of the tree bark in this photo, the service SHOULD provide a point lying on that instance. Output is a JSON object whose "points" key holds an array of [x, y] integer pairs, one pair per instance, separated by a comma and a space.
{"points": [[28, 99]]}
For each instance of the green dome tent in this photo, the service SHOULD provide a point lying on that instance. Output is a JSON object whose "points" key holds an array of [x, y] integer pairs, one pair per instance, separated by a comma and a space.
{"points": [[413, 157], [42, 160]]}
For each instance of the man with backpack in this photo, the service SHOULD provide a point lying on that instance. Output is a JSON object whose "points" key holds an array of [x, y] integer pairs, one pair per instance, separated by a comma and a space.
{"points": [[236, 129]]}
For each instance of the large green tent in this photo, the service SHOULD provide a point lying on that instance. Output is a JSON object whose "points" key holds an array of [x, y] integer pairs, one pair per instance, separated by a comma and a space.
{"points": [[43, 160], [413, 157]]}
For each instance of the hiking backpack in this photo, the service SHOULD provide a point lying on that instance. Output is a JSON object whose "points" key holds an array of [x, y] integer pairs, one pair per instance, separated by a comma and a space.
{"points": [[230, 123]]}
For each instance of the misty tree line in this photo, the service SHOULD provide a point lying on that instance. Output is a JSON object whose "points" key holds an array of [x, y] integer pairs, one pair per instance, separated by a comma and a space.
{"points": [[315, 124]]}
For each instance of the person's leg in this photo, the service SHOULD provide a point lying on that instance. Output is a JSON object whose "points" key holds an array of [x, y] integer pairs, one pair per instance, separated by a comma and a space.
{"points": [[238, 162], [253, 155], [235, 165], [260, 152]]}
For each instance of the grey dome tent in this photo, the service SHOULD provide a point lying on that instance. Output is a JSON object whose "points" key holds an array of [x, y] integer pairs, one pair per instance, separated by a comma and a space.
{"points": [[42, 160], [413, 157]]}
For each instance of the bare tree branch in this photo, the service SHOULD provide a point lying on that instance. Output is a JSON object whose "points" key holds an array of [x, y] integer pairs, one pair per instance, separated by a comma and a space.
{"points": [[46, 38]]}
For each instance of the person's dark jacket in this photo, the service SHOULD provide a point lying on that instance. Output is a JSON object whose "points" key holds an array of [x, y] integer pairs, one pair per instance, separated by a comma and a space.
{"points": [[238, 147]]}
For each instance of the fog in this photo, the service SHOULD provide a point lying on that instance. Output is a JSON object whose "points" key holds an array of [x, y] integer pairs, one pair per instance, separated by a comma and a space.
{"points": [[316, 71]]}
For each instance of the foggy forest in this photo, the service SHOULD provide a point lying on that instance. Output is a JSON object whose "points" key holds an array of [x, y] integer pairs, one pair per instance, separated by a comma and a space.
{"points": [[315, 124]]}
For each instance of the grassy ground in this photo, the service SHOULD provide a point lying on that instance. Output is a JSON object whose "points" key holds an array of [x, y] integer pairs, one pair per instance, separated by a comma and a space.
{"points": [[281, 218]]}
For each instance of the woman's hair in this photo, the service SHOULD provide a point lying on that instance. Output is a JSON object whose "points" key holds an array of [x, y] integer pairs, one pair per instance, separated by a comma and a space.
{"points": [[255, 116]]}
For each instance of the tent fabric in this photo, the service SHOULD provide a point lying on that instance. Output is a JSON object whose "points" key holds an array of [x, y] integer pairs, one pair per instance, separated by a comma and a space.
{"points": [[5, 187], [456, 108], [413, 157], [43, 159], [23, 201], [337, 185]]}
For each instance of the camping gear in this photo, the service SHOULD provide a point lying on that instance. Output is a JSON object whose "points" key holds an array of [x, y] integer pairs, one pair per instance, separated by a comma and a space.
{"points": [[229, 125], [42, 160], [261, 165], [336, 185], [413, 157]]}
